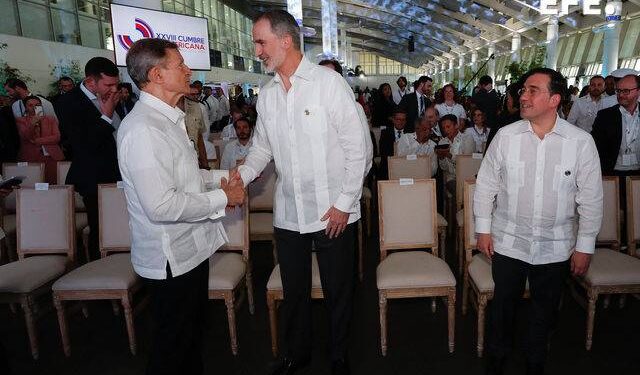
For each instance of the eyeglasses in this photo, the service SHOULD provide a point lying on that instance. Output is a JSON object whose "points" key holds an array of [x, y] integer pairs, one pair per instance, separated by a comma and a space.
{"points": [[533, 91], [625, 91]]}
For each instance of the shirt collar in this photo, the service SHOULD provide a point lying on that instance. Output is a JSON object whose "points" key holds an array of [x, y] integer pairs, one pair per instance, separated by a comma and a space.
{"points": [[172, 113], [559, 128], [303, 71], [624, 111], [86, 91]]}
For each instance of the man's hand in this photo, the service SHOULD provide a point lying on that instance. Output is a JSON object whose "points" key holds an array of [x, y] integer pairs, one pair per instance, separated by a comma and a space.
{"points": [[485, 244], [337, 222], [580, 263], [108, 103], [234, 189]]}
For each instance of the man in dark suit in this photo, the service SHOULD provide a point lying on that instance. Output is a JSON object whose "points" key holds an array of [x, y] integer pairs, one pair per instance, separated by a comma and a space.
{"points": [[388, 138], [486, 98], [616, 132], [9, 139], [89, 118], [415, 103]]}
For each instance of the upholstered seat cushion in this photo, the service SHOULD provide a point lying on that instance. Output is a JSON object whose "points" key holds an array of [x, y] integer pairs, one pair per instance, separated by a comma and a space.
{"points": [[114, 272], [610, 267], [275, 281], [261, 223], [366, 193], [81, 220], [29, 274], [480, 273], [413, 269], [225, 270], [442, 222], [460, 218]]}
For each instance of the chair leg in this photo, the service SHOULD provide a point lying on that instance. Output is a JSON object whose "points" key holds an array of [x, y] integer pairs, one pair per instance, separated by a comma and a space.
{"points": [[367, 207], [383, 322], [460, 248], [591, 314], [85, 246], [451, 307], [360, 251], [231, 317], [482, 306], [27, 307], [62, 322], [465, 292], [249, 282], [442, 237], [128, 318], [273, 323]]}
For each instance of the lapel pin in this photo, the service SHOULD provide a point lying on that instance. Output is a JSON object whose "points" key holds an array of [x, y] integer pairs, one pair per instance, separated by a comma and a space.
{"points": [[306, 112], [567, 173]]}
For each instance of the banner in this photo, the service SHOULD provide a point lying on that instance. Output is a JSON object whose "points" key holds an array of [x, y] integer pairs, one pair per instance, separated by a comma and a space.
{"points": [[191, 34]]}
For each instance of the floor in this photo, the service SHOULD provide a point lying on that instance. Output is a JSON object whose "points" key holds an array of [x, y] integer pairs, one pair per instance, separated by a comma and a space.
{"points": [[417, 337]]}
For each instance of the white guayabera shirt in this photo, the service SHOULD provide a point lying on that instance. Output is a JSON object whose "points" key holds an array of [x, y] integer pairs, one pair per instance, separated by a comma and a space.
{"points": [[317, 139], [547, 193]]}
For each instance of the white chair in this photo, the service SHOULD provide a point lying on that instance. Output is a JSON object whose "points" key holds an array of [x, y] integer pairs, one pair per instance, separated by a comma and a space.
{"points": [[46, 249], [261, 192], [230, 265], [109, 278], [82, 222], [408, 220], [610, 271], [467, 167]]}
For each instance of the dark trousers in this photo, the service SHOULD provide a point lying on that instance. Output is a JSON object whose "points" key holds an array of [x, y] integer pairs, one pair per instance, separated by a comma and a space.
{"points": [[4, 361], [546, 282], [91, 204], [336, 260], [178, 308]]}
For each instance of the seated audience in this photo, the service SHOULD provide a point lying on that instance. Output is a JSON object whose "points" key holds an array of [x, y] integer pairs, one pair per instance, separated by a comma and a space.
{"points": [[419, 143], [449, 106], [388, 138], [459, 144], [236, 150], [479, 130]]}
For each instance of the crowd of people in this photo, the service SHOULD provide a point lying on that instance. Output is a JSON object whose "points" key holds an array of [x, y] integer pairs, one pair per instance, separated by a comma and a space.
{"points": [[323, 148]]}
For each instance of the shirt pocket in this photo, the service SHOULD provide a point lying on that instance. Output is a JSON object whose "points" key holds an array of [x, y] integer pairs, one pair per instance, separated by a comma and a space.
{"points": [[314, 121], [515, 174], [564, 178]]}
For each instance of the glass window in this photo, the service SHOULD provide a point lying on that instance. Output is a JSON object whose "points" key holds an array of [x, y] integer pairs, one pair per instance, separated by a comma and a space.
{"points": [[595, 47], [8, 18], [63, 4], [582, 44], [34, 20], [630, 39], [179, 8], [88, 8], [90, 32], [167, 6], [107, 34], [105, 12], [65, 26], [568, 50], [214, 9]]}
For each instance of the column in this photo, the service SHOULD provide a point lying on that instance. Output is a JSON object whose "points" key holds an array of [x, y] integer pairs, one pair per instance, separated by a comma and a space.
{"points": [[334, 28], [461, 73], [326, 29], [515, 48], [294, 7], [611, 40], [452, 70], [474, 66], [551, 58], [343, 45], [491, 66]]}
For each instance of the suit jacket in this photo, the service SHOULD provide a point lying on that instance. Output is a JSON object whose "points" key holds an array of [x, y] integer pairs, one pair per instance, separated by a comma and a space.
{"points": [[409, 104], [9, 139], [489, 103], [91, 138], [387, 141], [607, 134]]}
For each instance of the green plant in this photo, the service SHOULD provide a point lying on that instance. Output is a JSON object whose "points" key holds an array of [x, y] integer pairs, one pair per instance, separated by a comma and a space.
{"points": [[7, 71], [518, 69], [69, 68]]}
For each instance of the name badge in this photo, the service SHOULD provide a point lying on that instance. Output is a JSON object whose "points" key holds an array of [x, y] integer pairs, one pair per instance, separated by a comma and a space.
{"points": [[412, 157], [406, 181], [629, 159], [43, 186]]}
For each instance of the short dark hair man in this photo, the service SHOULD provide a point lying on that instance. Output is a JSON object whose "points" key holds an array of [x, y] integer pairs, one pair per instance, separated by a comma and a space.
{"points": [[415, 103], [487, 99], [539, 181], [18, 90]]}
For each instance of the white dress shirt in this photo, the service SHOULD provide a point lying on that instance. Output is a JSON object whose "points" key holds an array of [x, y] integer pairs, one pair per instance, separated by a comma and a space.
{"points": [[398, 94], [629, 153], [463, 144], [537, 187], [455, 109], [233, 152], [409, 145], [584, 110], [229, 132], [213, 107], [19, 110], [223, 108], [171, 215], [318, 144], [479, 136]]}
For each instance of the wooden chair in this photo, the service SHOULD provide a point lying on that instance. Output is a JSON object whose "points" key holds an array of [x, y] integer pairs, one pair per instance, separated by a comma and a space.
{"points": [[82, 222], [261, 192], [109, 278], [418, 168], [230, 265], [467, 167], [34, 173], [408, 220], [46, 249], [610, 271]]}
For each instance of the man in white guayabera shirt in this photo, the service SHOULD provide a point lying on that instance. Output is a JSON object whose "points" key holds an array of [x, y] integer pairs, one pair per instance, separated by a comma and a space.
{"points": [[173, 219], [542, 174], [318, 144]]}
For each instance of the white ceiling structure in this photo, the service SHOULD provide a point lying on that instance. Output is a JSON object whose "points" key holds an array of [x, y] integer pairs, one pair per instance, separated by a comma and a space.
{"points": [[442, 29]]}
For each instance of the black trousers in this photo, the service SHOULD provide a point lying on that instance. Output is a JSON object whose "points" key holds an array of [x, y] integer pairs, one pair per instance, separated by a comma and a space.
{"points": [[336, 260], [546, 282], [91, 204], [178, 307], [4, 361]]}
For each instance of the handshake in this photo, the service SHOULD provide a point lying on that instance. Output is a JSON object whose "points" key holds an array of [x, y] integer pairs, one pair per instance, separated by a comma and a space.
{"points": [[234, 188]]}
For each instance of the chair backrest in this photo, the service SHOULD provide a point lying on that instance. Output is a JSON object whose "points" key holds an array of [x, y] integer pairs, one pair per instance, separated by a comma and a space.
{"points": [[410, 166], [407, 215], [610, 229], [62, 171], [236, 224], [469, 235], [633, 212], [113, 217], [467, 166], [45, 221], [377, 132], [34, 173], [261, 190]]}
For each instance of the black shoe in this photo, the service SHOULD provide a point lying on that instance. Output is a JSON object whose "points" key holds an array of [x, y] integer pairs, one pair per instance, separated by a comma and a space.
{"points": [[287, 366], [340, 367], [535, 368], [494, 365]]}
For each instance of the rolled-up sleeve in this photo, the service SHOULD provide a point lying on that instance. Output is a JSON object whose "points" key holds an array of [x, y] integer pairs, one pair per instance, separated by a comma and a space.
{"points": [[589, 197]]}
